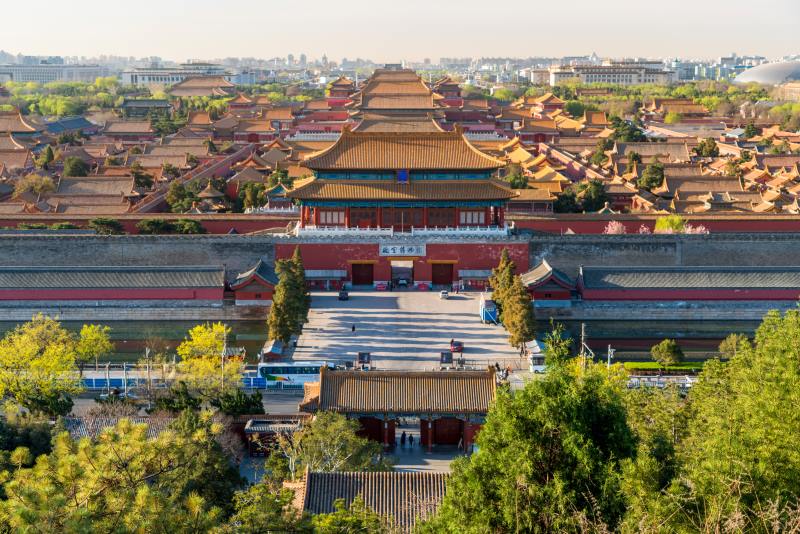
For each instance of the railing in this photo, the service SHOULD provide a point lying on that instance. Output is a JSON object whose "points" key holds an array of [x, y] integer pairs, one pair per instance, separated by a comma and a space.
{"points": [[141, 383], [341, 230], [425, 231], [266, 209], [460, 230]]}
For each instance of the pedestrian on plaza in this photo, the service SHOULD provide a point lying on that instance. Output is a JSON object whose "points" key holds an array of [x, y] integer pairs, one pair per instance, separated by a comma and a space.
{"points": [[497, 366], [410, 440], [403, 439], [353, 329]]}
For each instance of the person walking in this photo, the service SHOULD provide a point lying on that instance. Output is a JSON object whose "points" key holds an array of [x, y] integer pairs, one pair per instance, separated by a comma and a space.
{"points": [[411, 440], [353, 329], [403, 439]]}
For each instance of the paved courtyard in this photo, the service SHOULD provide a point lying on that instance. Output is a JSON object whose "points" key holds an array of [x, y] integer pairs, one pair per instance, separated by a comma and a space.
{"points": [[404, 330]]}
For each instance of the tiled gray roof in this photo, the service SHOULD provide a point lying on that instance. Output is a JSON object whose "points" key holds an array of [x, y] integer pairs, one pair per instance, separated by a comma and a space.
{"points": [[92, 427], [404, 498], [691, 277], [110, 277], [420, 392]]}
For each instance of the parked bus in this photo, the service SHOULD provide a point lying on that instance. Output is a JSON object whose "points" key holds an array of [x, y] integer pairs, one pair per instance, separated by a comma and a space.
{"points": [[291, 372]]}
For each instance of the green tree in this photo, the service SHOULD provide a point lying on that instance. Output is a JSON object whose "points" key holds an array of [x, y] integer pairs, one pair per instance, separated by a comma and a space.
{"points": [[38, 366], [62, 226], [141, 178], [330, 442], [36, 183], [124, 482], [567, 202], [517, 314], [667, 353], [502, 278], [237, 402], [93, 342], [105, 226], [354, 518], [303, 296], [47, 157], [201, 364], [265, 507], [593, 195], [739, 463], [288, 304], [670, 224], [750, 130], [672, 118], [634, 157], [652, 177], [574, 108], [707, 148], [549, 457], [729, 347], [154, 226], [188, 226], [75, 167], [180, 198]]}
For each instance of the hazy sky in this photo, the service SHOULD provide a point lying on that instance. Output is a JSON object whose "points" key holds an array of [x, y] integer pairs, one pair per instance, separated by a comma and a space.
{"points": [[399, 29]]}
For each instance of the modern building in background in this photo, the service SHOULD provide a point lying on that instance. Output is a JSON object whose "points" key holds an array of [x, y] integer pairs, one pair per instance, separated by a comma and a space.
{"points": [[617, 72], [156, 75], [47, 72]]}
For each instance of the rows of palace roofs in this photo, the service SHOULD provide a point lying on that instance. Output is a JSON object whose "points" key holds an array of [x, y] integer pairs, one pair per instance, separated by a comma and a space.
{"points": [[396, 110]]}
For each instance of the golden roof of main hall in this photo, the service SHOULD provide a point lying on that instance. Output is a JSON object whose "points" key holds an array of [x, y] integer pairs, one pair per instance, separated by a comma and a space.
{"points": [[402, 150], [455, 190]]}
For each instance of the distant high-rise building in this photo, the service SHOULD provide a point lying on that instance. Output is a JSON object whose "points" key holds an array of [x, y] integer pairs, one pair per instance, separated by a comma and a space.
{"points": [[303, 60]]}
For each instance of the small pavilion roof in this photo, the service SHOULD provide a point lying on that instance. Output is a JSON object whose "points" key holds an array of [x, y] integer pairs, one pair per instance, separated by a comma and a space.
{"points": [[210, 192], [261, 270], [543, 273]]}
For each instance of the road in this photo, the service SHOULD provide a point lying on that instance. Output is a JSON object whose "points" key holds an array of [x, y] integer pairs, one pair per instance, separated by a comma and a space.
{"points": [[403, 330]]}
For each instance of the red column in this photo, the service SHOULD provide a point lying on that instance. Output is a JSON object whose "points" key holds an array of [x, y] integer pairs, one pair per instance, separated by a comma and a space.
{"points": [[380, 217], [486, 216], [303, 216], [458, 217], [425, 217], [347, 217], [502, 216], [316, 216]]}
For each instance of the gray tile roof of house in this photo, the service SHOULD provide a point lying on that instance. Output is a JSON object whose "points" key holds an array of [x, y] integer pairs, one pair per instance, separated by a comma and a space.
{"points": [[691, 277], [92, 427], [110, 277], [403, 498]]}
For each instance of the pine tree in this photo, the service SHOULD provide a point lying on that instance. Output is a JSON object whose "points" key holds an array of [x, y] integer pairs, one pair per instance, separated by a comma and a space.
{"points": [[501, 279], [284, 314], [518, 315], [303, 296]]}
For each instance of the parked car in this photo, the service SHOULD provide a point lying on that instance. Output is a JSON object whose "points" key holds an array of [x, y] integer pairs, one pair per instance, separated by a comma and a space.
{"points": [[444, 295], [344, 295], [456, 346]]}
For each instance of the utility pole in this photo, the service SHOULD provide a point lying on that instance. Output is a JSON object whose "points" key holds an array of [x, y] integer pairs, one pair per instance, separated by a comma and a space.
{"points": [[610, 356]]}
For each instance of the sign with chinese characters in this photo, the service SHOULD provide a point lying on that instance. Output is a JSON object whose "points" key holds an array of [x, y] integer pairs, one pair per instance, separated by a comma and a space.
{"points": [[400, 249]]}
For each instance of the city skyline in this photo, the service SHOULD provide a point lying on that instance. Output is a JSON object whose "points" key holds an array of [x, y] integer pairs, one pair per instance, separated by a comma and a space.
{"points": [[412, 31]]}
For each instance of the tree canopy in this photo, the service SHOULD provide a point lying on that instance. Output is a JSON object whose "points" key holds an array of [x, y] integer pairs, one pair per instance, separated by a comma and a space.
{"points": [[549, 457]]}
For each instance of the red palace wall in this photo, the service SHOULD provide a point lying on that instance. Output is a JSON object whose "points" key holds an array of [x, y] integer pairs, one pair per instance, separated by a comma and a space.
{"points": [[473, 256], [213, 223], [595, 224], [112, 294]]}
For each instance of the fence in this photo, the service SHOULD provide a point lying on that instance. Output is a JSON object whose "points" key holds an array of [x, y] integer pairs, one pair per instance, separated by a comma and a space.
{"points": [[119, 383]]}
